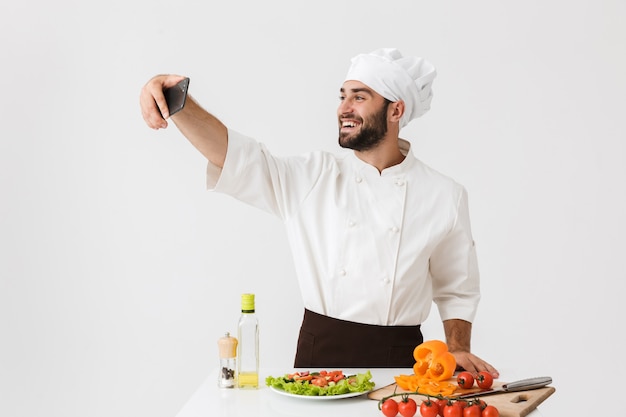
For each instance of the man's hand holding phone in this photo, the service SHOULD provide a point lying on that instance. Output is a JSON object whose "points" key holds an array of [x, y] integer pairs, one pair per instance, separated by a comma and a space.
{"points": [[161, 97]]}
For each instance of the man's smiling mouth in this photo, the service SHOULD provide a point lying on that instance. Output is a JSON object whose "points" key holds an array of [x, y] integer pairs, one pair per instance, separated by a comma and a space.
{"points": [[349, 124]]}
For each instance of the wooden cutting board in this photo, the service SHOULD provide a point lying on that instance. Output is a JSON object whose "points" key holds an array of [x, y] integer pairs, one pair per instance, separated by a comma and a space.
{"points": [[509, 404]]}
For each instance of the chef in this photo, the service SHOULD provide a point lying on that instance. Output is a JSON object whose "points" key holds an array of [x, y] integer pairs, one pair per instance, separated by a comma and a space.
{"points": [[376, 234]]}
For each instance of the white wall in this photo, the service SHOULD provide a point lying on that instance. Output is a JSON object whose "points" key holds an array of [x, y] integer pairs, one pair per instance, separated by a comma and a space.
{"points": [[119, 272]]}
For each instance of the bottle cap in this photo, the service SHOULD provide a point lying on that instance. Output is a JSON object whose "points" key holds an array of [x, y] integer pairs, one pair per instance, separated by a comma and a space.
{"points": [[247, 303], [227, 346]]}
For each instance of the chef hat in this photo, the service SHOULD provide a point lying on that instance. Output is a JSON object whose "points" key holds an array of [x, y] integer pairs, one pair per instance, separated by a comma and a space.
{"points": [[396, 78]]}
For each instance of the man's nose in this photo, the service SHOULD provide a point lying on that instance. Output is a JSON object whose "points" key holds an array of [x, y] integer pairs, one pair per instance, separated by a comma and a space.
{"points": [[345, 107]]}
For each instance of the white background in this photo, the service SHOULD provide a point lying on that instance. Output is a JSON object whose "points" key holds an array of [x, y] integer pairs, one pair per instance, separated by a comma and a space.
{"points": [[119, 271]]}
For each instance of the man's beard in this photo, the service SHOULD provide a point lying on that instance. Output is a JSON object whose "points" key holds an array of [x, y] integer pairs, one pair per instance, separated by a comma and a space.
{"points": [[371, 133]]}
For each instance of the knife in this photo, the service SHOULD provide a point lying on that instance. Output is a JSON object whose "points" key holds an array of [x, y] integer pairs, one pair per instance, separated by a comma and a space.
{"points": [[521, 385]]}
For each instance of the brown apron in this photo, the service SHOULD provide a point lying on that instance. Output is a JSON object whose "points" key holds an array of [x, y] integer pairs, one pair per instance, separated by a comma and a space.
{"points": [[329, 342]]}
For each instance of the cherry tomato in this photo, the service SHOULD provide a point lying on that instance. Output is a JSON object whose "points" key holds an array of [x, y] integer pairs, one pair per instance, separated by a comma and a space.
{"points": [[482, 404], [472, 411], [461, 404], [484, 380], [465, 380], [490, 411], [390, 408], [407, 407], [441, 403], [429, 408], [452, 410]]}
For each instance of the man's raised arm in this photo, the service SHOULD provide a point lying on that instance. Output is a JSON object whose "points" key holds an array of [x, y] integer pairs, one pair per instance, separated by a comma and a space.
{"points": [[205, 132]]}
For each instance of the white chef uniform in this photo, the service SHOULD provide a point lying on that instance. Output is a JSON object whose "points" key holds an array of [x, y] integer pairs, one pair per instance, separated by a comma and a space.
{"points": [[368, 247]]}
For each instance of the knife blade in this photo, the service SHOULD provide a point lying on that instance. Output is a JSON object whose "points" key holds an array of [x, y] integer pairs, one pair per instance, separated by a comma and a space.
{"points": [[521, 385]]}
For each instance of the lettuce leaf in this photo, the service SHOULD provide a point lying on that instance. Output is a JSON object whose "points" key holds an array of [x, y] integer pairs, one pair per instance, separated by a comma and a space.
{"points": [[353, 383]]}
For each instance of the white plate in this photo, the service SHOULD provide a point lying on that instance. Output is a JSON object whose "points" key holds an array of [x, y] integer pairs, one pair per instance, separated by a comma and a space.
{"points": [[318, 397]]}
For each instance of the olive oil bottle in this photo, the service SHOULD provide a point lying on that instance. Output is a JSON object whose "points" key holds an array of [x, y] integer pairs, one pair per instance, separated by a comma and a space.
{"points": [[248, 346]]}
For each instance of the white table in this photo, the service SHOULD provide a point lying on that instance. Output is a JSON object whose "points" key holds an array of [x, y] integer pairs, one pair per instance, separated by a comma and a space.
{"points": [[209, 400]]}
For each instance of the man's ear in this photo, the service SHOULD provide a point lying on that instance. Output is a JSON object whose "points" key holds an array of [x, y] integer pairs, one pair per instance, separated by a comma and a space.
{"points": [[396, 111]]}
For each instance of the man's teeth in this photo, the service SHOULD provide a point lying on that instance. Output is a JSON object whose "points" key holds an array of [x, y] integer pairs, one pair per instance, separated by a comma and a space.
{"points": [[349, 124]]}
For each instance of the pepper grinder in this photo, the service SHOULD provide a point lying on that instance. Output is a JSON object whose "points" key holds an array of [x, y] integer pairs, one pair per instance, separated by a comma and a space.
{"points": [[228, 361]]}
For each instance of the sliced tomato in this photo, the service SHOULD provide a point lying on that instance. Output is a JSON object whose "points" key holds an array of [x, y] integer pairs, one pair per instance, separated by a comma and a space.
{"points": [[336, 376], [319, 381]]}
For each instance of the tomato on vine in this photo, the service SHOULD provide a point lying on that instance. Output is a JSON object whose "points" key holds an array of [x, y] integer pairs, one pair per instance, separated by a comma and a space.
{"points": [[472, 411], [436, 407], [490, 411], [461, 404], [407, 407], [441, 403], [452, 410], [429, 408], [481, 403], [390, 408]]}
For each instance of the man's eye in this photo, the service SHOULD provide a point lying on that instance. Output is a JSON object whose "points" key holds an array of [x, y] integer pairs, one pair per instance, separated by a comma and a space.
{"points": [[342, 98], [359, 98]]}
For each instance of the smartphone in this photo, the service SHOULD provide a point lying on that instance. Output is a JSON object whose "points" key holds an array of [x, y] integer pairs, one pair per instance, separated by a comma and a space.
{"points": [[176, 96]]}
